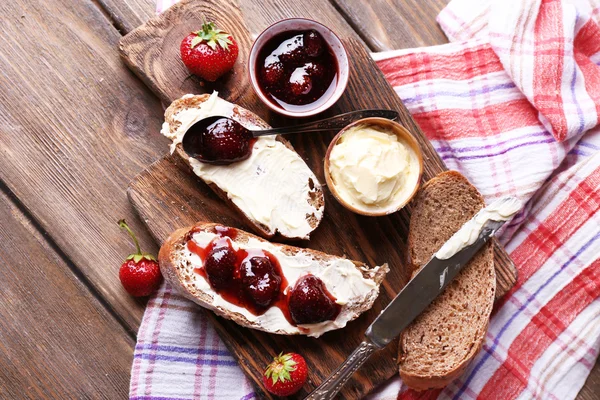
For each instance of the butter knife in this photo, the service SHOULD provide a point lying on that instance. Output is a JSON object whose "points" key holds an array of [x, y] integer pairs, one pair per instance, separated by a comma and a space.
{"points": [[427, 284]]}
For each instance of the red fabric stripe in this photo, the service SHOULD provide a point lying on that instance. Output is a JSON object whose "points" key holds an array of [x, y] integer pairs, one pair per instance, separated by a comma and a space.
{"points": [[455, 123], [556, 229], [463, 65], [548, 66], [587, 40], [587, 43], [591, 74], [513, 375], [424, 395]]}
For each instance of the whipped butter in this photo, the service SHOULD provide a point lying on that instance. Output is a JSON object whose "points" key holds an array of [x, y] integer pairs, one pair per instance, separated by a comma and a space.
{"points": [[340, 276], [270, 187], [500, 210], [373, 170]]}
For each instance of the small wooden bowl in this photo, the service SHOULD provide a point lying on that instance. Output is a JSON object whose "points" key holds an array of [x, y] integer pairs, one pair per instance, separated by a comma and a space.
{"points": [[389, 126]]}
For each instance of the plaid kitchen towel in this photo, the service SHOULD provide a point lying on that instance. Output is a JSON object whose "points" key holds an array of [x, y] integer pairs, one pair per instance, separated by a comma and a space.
{"points": [[512, 103]]}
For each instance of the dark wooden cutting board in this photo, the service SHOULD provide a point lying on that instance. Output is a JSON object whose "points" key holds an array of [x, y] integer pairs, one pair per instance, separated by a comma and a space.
{"points": [[168, 196]]}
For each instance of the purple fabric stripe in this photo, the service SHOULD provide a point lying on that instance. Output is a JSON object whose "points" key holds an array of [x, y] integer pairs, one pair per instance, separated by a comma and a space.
{"points": [[578, 152], [590, 145], [184, 350], [249, 396], [488, 146], [187, 360], [470, 93], [525, 305], [498, 153]]}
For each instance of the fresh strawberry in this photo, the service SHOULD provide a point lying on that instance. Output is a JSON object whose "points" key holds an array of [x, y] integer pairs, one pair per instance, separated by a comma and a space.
{"points": [[209, 53], [139, 274], [286, 374]]}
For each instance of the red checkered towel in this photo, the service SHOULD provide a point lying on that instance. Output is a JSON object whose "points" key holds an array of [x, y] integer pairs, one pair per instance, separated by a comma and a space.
{"points": [[513, 104]]}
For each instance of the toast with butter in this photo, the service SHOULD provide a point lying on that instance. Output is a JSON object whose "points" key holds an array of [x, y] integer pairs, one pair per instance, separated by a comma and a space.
{"points": [[441, 342], [274, 190], [189, 256]]}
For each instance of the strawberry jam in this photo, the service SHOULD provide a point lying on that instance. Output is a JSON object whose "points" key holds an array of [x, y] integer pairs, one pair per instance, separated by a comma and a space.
{"points": [[253, 279], [218, 140], [248, 278], [297, 70], [310, 302]]}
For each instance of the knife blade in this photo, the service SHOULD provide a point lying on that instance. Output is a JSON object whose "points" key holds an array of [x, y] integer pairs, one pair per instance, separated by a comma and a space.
{"points": [[419, 293]]}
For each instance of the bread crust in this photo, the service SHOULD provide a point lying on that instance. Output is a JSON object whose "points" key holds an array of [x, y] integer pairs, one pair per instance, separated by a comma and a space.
{"points": [[241, 114], [169, 266], [418, 381]]}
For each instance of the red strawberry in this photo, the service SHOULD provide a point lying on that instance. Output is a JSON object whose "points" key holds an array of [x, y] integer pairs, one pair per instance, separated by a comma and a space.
{"points": [[139, 274], [286, 374], [209, 53]]}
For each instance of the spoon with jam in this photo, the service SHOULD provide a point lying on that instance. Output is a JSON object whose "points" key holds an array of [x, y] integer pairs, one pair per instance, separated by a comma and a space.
{"points": [[222, 140]]}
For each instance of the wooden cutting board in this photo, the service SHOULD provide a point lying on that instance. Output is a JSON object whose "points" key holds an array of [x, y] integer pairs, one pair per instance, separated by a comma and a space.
{"points": [[168, 196]]}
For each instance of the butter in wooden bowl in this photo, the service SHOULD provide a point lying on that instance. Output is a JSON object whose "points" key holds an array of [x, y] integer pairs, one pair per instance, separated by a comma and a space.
{"points": [[373, 167]]}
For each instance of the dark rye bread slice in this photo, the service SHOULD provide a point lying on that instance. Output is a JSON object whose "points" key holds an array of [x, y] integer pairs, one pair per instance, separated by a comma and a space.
{"points": [[317, 198], [179, 272], [439, 345]]}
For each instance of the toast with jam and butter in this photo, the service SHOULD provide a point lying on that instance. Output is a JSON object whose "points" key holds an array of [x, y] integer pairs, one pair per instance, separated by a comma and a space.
{"points": [[267, 286], [273, 189]]}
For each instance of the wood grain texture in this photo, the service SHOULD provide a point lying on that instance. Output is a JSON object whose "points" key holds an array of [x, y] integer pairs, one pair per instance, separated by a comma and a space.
{"points": [[395, 24], [167, 195], [56, 340], [76, 126]]}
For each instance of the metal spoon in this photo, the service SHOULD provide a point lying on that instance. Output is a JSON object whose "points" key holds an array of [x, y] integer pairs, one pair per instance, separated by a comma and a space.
{"points": [[193, 139]]}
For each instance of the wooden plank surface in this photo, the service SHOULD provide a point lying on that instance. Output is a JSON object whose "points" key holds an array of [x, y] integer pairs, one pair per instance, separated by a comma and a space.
{"points": [[75, 125], [394, 24], [56, 340], [169, 196]]}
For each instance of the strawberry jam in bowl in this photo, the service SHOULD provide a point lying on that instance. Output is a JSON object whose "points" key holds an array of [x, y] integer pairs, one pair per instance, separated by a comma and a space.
{"points": [[298, 67]]}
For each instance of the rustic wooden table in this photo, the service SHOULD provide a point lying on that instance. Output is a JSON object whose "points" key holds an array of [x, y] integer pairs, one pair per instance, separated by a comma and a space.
{"points": [[76, 127]]}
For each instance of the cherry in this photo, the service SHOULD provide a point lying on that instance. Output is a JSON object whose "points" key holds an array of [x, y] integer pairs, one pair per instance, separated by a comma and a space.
{"points": [[313, 43], [220, 266], [310, 303], [260, 280], [218, 140]]}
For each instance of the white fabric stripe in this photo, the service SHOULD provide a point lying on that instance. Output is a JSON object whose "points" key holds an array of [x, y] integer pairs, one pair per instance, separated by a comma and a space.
{"points": [[445, 94]]}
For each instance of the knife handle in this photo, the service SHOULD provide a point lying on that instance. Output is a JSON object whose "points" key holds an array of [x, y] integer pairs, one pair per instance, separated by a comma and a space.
{"points": [[332, 385]]}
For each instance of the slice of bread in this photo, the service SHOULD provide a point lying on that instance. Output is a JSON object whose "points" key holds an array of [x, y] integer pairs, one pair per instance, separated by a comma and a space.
{"points": [[279, 198], [354, 284], [439, 345]]}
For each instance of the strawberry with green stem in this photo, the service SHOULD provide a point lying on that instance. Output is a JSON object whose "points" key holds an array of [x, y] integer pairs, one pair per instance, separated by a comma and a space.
{"points": [[139, 274], [286, 374], [209, 52]]}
